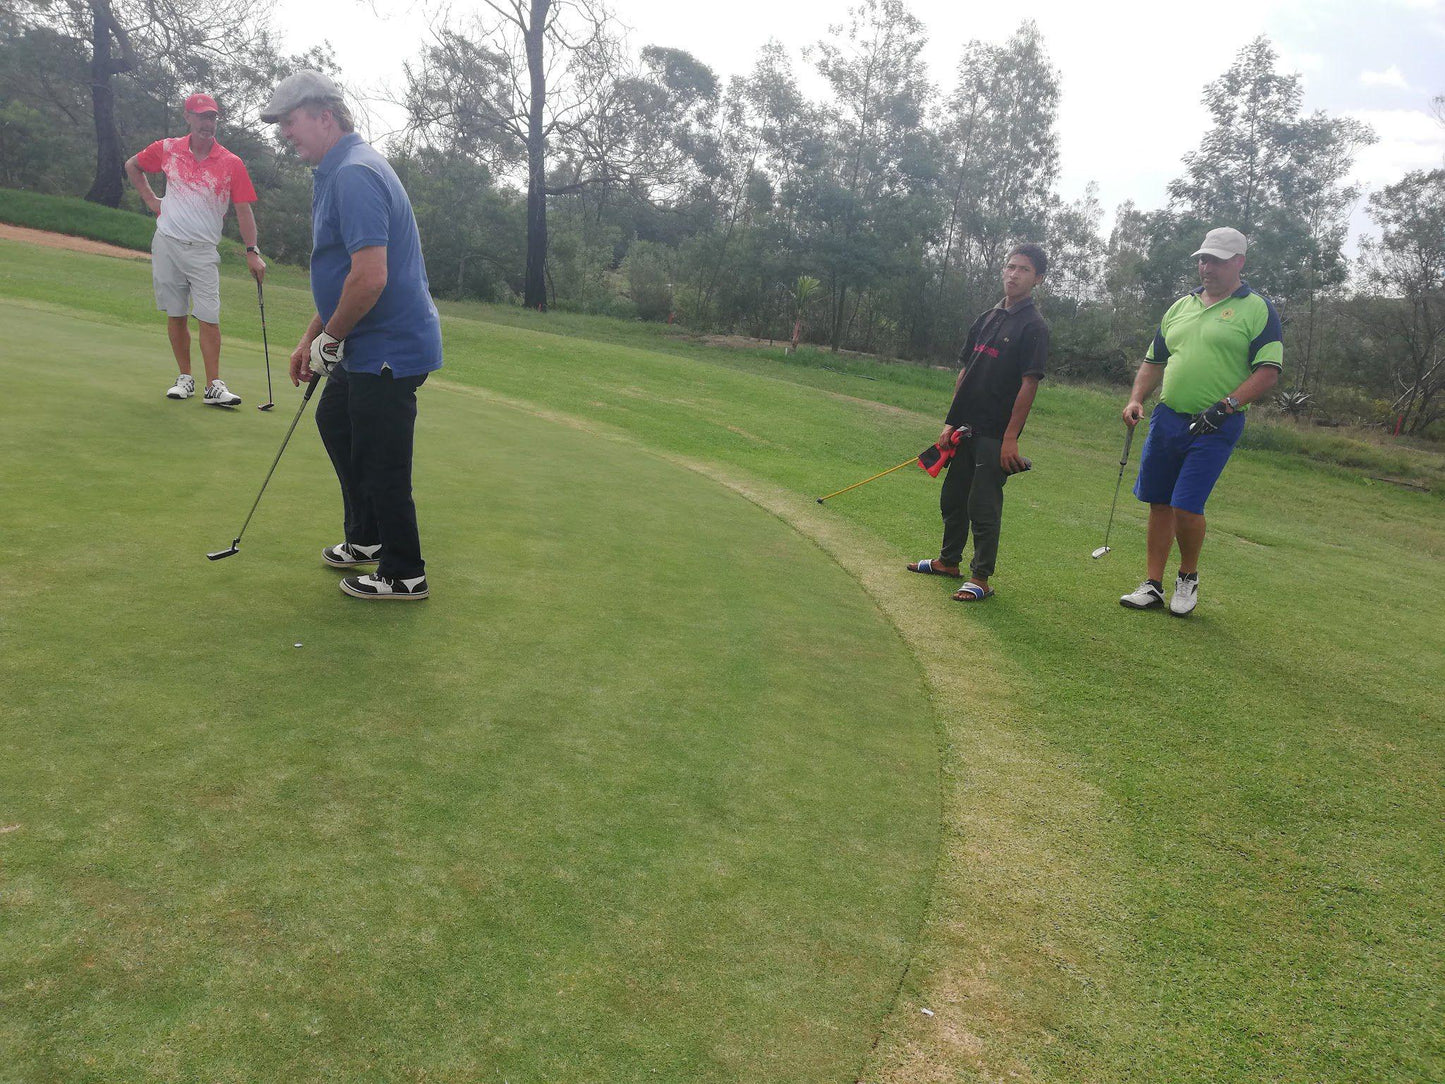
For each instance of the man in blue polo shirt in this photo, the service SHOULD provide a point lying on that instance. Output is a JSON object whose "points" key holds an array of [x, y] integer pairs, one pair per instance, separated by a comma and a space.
{"points": [[1217, 350], [375, 334]]}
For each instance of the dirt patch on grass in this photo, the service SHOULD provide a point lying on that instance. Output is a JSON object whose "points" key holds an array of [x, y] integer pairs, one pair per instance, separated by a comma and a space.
{"points": [[28, 236]]}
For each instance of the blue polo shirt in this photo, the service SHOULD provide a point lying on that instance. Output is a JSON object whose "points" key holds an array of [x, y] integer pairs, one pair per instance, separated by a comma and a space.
{"points": [[357, 201]]}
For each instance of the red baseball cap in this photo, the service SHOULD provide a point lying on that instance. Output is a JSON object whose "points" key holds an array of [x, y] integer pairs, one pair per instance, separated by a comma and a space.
{"points": [[201, 103]]}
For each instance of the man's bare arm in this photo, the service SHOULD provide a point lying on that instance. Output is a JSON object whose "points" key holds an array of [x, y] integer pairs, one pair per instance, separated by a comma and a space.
{"points": [[1146, 383], [1009, 458]]}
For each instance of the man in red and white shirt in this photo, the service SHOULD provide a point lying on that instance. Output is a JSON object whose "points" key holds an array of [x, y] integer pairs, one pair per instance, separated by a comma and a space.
{"points": [[203, 179]]}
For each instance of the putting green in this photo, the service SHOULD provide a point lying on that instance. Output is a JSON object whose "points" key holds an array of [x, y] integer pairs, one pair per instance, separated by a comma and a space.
{"points": [[646, 790]]}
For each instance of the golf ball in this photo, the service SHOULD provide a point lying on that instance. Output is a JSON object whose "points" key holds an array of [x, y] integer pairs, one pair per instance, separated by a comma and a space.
{"points": [[298, 644]]}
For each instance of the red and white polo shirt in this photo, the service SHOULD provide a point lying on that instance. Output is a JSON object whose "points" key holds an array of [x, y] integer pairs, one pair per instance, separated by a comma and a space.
{"points": [[198, 190]]}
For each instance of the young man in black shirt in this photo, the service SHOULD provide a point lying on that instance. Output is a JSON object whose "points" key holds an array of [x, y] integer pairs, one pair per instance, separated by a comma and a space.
{"points": [[1003, 362]]}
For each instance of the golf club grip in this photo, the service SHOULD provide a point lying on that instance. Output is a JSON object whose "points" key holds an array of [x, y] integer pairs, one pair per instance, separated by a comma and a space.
{"points": [[1128, 440]]}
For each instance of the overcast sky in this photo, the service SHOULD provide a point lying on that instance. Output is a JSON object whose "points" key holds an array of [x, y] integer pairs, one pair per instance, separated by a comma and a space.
{"points": [[1132, 70]]}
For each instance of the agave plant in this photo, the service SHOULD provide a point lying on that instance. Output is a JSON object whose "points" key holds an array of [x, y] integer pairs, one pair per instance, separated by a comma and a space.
{"points": [[1293, 402]]}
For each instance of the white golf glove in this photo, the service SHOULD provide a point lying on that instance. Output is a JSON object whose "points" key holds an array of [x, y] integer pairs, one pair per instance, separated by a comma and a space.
{"points": [[326, 352]]}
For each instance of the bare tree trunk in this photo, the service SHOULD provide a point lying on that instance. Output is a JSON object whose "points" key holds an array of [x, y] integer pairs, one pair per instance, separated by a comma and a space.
{"points": [[109, 162], [534, 289]]}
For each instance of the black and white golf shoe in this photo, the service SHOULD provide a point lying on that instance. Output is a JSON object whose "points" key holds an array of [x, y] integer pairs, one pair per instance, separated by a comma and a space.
{"points": [[183, 388], [1144, 597], [347, 555], [384, 587]]}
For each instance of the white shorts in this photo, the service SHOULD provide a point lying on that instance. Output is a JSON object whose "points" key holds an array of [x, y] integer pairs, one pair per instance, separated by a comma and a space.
{"points": [[187, 277]]}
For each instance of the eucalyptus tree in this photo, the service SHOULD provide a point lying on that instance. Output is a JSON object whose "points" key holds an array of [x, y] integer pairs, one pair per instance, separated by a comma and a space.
{"points": [[879, 159], [998, 130], [1269, 171], [1406, 266], [505, 85]]}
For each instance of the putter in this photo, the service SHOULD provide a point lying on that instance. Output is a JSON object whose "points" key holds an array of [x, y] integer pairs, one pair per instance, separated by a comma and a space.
{"points": [[1123, 459], [236, 543], [261, 300]]}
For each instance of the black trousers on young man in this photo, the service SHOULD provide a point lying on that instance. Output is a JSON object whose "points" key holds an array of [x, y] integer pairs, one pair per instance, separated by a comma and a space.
{"points": [[367, 422], [973, 494]]}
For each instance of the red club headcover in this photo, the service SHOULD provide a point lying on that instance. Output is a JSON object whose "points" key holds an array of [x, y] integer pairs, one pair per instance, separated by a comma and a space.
{"points": [[933, 459]]}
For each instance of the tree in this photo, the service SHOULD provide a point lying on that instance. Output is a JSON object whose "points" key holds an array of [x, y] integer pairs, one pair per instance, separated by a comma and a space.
{"points": [[1268, 171], [532, 73], [1407, 264], [1000, 164], [879, 93]]}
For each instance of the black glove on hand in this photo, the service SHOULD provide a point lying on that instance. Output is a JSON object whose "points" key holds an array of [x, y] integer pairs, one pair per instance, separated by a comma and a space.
{"points": [[1208, 421]]}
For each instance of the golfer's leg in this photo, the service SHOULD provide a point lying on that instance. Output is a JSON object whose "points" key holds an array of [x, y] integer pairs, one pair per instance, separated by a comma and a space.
{"points": [[1189, 530], [1159, 540], [333, 421], [383, 417], [178, 330], [211, 349], [953, 503], [985, 506]]}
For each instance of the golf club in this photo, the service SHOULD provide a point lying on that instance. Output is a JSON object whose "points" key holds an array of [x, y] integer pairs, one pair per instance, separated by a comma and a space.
{"points": [[906, 463], [932, 459], [236, 544], [261, 300], [1123, 459]]}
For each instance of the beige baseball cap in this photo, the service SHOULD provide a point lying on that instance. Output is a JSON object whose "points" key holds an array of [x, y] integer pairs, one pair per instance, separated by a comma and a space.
{"points": [[302, 86], [1223, 243]]}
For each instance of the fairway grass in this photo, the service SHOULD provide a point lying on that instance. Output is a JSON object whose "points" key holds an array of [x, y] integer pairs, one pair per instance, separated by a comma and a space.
{"points": [[684, 778]]}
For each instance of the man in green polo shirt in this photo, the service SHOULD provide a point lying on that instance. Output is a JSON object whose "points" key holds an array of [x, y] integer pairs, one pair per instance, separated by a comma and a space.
{"points": [[1217, 350]]}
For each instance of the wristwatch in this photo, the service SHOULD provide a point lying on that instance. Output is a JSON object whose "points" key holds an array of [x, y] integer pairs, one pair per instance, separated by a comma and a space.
{"points": [[253, 248], [1232, 403]]}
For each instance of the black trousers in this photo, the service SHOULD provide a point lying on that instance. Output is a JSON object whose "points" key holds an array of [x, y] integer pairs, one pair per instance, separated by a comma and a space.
{"points": [[973, 495], [367, 422]]}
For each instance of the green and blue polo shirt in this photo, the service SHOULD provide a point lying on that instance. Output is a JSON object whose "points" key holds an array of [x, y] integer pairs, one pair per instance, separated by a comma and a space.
{"points": [[1209, 350]]}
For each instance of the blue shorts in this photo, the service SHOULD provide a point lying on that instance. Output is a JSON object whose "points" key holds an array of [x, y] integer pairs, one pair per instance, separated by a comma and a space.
{"points": [[1178, 469]]}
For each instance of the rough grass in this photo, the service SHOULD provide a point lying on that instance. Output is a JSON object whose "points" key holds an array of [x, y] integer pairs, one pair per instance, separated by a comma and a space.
{"points": [[1169, 850], [78, 217]]}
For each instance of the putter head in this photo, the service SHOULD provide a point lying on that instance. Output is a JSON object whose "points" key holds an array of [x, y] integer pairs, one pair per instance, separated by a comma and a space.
{"points": [[235, 549], [1099, 552], [820, 500], [265, 406]]}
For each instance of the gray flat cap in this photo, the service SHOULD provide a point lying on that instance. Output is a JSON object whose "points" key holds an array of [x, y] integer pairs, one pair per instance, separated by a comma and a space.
{"points": [[303, 86]]}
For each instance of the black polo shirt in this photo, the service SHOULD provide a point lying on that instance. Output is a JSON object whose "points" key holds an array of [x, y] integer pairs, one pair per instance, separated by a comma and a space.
{"points": [[1004, 345]]}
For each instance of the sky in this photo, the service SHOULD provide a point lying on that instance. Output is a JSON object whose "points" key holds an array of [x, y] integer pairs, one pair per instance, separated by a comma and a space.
{"points": [[1132, 71]]}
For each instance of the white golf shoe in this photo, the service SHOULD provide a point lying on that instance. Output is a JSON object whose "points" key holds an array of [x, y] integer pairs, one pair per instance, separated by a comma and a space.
{"points": [[1186, 596], [183, 388], [1144, 597]]}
